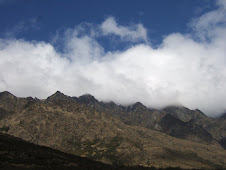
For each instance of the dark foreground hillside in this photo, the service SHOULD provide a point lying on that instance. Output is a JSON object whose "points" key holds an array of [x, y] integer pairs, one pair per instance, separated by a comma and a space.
{"points": [[16, 153]]}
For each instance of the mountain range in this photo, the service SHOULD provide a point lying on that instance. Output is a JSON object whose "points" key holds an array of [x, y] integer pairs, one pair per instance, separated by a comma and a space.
{"points": [[117, 135]]}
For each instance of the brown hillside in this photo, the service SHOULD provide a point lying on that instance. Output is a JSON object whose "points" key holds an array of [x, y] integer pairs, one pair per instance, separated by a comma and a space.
{"points": [[73, 126]]}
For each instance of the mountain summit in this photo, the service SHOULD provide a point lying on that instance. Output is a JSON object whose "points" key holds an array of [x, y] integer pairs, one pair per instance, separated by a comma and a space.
{"points": [[88, 99], [6, 94], [58, 96]]}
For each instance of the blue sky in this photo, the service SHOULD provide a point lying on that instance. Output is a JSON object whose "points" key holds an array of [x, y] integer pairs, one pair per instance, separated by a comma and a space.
{"points": [[157, 52], [40, 20]]}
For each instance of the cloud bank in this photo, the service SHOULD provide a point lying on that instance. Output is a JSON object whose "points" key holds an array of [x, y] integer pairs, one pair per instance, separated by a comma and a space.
{"points": [[185, 69]]}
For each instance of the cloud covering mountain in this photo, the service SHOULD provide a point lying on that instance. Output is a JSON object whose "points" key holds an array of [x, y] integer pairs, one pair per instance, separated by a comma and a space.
{"points": [[187, 69]]}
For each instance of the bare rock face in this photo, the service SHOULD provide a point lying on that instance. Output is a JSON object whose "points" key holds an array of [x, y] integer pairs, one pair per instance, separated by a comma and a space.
{"points": [[116, 134], [180, 112], [186, 130]]}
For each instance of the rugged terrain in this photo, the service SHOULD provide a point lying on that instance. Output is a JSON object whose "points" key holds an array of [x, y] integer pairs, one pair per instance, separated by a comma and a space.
{"points": [[16, 153], [114, 134]]}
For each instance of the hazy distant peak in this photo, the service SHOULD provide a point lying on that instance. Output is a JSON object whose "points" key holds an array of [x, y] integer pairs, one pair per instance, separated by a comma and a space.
{"points": [[6, 94], [199, 111], [58, 93], [138, 106], [87, 95], [87, 98], [177, 108], [58, 96]]}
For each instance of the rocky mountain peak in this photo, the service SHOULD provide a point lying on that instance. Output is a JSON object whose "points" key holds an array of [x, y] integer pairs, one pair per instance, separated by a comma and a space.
{"points": [[6, 94], [58, 96], [138, 105], [108, 105], [179, 112], [176, 108], [88, 99], [58, 93]]}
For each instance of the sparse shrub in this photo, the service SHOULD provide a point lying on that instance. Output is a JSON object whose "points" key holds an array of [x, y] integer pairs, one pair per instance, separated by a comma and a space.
{"points": [[5, 128]]}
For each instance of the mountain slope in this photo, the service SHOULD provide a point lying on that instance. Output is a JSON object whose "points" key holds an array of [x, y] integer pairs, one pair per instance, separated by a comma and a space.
{"points": [[16, 153], [73, 126], [200, 127], [185, 130]]}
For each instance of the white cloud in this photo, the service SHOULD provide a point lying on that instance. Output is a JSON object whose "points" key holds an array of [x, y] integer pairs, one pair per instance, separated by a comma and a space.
{"points": [[133, 33], [180, 71], [208, 24]]}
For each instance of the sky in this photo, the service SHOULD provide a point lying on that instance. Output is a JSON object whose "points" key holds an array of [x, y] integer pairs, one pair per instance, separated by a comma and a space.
{"points": [[157, 52]]}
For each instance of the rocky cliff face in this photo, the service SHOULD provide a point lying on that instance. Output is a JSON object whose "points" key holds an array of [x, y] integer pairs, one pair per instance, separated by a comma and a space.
{"points": [[115, 134]]}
